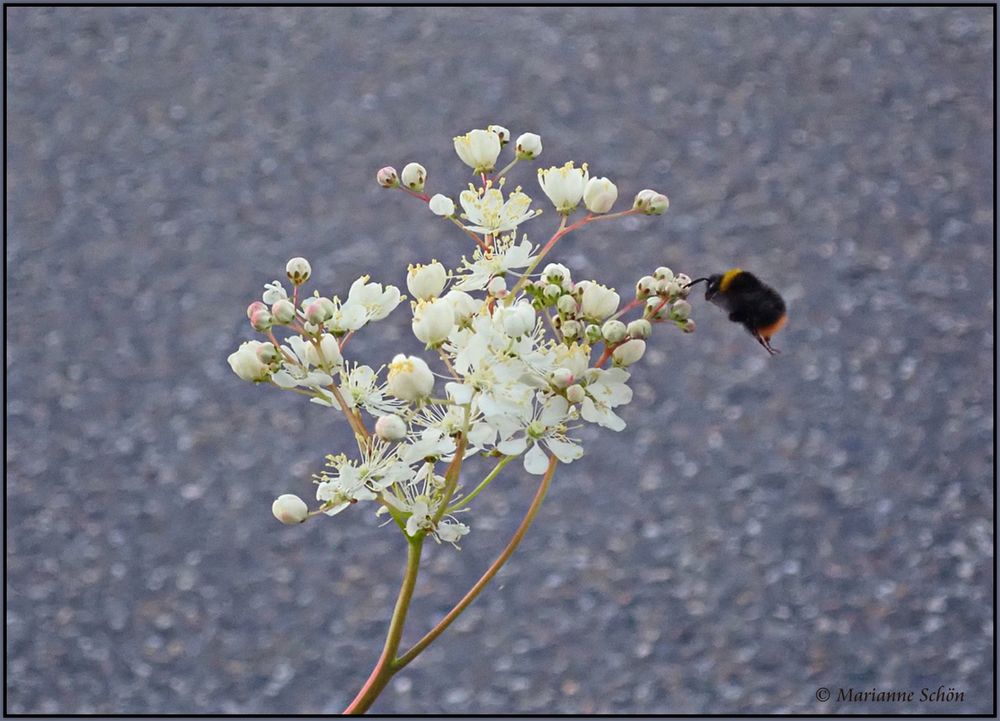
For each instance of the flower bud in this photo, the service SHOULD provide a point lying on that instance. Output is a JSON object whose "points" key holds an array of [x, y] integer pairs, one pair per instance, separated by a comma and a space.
{"points": [[298, 270], [613, 331], [442, 205], [649, 202], [316, 312], [552, 292], [387, 177], [557, 273], [599, 195], [652, 305], [562, 377], [433, 321], [593, 334], [426, 281], [262, 320], [283, 311], [683, 282], [629, 352], [254, 307], [501, 132], [644, 287], [663, 273], [516, 319], [414, 176], [462, 304], [575, 393], [268, 354], [290, 509], [680, 310], [497, 286], [566, 304], [409, 378], [570, 329], [663, 286], [640, 329], [390, 428], [528, 146], [598, 302], [688, 326], [246, 364], [478, 149]]}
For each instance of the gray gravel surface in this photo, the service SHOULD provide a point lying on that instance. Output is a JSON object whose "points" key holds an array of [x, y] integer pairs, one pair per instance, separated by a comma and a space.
{"points": [[764, 527]]}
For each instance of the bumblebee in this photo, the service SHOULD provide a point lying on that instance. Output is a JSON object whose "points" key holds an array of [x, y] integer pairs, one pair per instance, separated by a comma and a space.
{"points": [[749, 302]]}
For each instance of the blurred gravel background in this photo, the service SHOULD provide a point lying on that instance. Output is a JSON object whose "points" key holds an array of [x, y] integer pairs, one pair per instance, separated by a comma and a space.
{"points": [[764, 527]]}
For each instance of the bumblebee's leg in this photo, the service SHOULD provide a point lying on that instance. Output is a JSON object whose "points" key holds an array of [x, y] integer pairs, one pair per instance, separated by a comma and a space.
{"points": [[766, 342]]}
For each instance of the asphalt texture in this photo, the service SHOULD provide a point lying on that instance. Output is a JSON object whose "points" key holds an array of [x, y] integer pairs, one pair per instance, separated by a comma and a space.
{"points": [[765, 526]]}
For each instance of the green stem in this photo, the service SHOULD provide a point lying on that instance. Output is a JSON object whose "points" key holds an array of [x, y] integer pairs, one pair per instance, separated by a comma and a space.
{"points": [[469, 597], [387, 664], [464, 500]]}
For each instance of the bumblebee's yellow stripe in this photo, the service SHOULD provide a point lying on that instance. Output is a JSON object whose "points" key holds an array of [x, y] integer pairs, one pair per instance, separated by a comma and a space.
{"points": [[728, 278]]}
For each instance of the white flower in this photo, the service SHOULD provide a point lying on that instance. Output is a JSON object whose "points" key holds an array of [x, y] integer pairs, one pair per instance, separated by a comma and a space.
{"points": [[605, 389], [450, 531], [517, 319], [548, 428], [599, 195], [298, 372], [557, 274], [496, 287], [410, 378], [246, 364], [640, 328], [272, 292], [432, 321], [478, 149], [528, 146], [649, 202], [442, 205], [504, 257], [377, 302], [629, 352], [290, 509], [378, 470], [462, 304], [390, 428], [597, 301], [414, 176], [345, 317], [426, 281], [432, 444], [420, 518], [488, 213], [361, 389], [564, 185]]}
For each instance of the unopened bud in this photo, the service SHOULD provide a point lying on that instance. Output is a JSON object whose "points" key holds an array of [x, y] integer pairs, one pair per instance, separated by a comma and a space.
{"points": [[387, 177], [254, 307], [688, 326], [497, 286], [552, 292], [562, 377], [268, 354], [290, 509], [570, 329], [501, 132], [390, 428], [680, 310], [575, 393], [298, 270], [283, 311], [640, 328], [593, 334], [650, 202], [528, 146], [442, 205], [644, 287], [613, 331], [262, 320], [414, 176], [566, 304], [599, 195], [629, 352], [317, 312], [663, 273], [655, 309]]}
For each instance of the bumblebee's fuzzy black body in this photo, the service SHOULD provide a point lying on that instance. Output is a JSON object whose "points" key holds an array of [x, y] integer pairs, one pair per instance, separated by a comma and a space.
{"points": [[749, 302]]}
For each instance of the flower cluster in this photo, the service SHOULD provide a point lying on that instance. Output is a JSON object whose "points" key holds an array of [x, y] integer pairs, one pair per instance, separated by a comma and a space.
{"points": [[522, 358]]}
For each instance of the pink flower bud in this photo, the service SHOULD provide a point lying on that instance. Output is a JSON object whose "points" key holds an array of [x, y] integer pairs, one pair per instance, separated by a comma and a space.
{"points": [[387, 177]]}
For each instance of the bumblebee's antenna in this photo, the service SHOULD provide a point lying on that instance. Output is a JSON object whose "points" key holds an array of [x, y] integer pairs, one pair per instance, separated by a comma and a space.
{"points": [[695, 281]]}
